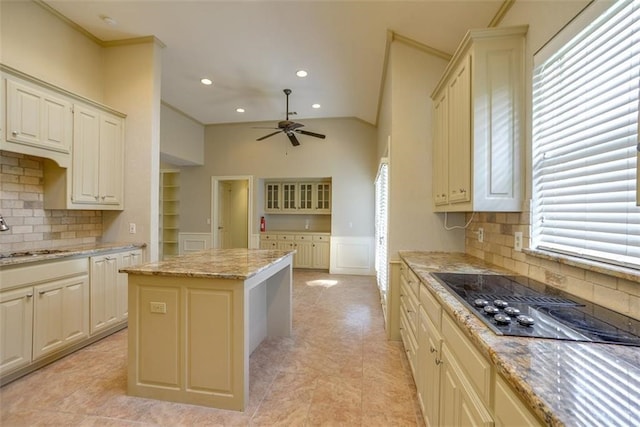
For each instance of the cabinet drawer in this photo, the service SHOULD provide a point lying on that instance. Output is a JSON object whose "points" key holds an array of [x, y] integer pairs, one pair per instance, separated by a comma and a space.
{"points": [[321, 238], [409, 305], [476, 367], [509, 410], [269, 237], [303, 238], [410, 277], [286, 237], [410, 343], [431, 306], [33, 273]]}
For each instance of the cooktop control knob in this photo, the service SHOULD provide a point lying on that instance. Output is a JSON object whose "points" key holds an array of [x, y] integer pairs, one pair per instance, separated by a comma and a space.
{"points": [[511, 311], [480, 302], [525, 320], [489, 309], [502, 319], [500, 303]]}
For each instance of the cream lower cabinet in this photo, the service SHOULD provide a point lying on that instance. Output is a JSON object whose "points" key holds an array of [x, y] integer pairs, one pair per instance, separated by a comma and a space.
{"points": [[456, 385], [16, 331], [61, 314], [312, 249], [109, 291]]}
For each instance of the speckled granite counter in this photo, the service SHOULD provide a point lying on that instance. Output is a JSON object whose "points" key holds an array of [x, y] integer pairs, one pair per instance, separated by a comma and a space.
{"points": [[66, 251], [564, 383], [239, 264]]}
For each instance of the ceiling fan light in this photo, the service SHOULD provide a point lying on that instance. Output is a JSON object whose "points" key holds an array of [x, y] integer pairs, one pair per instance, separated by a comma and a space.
{"points": [[302, 73], [109, 20], [206, 81], [315, 106]]}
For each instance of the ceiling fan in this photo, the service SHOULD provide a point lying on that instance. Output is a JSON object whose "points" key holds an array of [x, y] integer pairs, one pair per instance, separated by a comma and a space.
{"points": [[291, 128]]}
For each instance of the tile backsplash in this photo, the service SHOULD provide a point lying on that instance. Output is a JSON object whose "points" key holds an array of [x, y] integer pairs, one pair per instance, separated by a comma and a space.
{"points": [[22, 206], [613, 291]]}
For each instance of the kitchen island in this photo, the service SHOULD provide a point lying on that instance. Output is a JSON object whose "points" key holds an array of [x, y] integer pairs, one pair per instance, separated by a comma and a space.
{"points": [[195, 319]]}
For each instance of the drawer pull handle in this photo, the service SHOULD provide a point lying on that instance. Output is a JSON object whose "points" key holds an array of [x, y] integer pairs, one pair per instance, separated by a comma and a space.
{"points": [[29, 295], [439, 362], [432, 349], [42, 292]]}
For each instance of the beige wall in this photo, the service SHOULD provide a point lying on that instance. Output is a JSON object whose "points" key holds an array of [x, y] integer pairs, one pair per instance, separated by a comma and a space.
{"points": [[35, 42], [181, 138], [347, 155], [406, 116], [613, 291]]}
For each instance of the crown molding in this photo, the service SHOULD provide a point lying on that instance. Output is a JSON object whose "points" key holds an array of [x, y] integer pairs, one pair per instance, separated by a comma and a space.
{"points": [[500, 14], [100, 42]]}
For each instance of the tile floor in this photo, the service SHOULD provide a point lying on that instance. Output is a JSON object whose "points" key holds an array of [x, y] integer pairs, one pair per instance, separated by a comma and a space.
{"points": [[337, 369]]}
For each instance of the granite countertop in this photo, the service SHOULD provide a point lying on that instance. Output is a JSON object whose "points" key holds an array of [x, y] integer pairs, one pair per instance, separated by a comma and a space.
{"points": [[236, 264], [565, 383], [47, 254]]}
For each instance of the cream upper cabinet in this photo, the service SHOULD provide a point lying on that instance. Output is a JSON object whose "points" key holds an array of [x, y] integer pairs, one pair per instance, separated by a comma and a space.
{"points": [[293, 197], [478, 126], [97, 158], [39, 122]]}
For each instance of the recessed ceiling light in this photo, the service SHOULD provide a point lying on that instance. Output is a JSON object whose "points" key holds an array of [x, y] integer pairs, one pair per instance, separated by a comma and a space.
{"points": [[301, 73], [206, 81], [109, 20], [315, 106], [240, 110]]}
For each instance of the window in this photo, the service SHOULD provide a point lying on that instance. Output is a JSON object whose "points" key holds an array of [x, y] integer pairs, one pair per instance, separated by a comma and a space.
{"points": [[586, 96], [381, 217]]}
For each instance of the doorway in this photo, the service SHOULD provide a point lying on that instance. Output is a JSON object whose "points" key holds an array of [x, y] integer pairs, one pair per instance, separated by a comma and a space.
{"points": [[231, 209]]}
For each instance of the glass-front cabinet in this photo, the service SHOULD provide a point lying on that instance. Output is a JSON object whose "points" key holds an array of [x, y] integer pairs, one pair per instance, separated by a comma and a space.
{"points": [[297, 197]]}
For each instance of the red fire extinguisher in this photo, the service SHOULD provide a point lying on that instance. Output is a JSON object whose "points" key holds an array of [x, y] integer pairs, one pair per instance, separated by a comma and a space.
{"points": [[263, 224]]}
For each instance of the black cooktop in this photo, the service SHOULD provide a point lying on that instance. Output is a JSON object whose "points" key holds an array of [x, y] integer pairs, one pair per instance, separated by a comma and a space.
{"points": [[519, 306]]}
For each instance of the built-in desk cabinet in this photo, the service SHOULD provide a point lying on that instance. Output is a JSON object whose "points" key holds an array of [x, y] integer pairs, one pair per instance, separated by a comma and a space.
{"points": [[312, 249], [478, 124], [456, 385]]}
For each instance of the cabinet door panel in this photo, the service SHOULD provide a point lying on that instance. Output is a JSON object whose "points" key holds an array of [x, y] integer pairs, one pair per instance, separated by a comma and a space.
{"points": [[86, 152], [104, 295], [23, 113], [16, 314], [61, 314], [460, 134], [110, 188]]}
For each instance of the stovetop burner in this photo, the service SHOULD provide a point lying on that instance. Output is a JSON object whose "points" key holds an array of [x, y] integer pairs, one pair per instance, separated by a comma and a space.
{"points": [[519, 306]]}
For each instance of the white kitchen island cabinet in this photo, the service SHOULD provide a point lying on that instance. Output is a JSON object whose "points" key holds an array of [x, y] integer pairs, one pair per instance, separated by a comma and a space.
{"points": [[195, 319]]}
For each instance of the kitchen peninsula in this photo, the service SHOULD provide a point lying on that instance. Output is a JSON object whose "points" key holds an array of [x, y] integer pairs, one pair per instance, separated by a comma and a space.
{"points": [[195, 319]]}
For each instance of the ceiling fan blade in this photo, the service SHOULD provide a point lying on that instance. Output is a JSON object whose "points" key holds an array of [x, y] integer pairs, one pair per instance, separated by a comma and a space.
{"points": [[267, 136], [294, 126], [263, 127], [306, 132], [293, 139]]}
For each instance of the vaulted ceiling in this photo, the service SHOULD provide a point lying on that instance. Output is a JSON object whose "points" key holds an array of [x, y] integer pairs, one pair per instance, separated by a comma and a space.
{"points": [[251, 50]]}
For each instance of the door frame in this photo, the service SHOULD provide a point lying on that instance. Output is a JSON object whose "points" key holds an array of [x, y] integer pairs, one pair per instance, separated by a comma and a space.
{"points": [[215, 203]]}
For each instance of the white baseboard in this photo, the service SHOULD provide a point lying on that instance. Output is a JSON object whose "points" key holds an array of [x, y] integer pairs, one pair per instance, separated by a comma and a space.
{"points": [[352, 255], [193, 242]]}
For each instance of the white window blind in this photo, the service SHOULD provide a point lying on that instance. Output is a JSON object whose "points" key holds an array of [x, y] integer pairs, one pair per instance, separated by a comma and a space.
{"points": [[381, 215], [586, 98]]}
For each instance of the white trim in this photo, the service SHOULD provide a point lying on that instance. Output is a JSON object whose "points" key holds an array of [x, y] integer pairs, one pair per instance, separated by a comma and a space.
{"points": [[352, 255]]}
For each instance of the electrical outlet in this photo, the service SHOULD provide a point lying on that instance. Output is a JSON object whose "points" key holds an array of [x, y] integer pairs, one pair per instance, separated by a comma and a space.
{"points": [[517, 242], [480, 234], [158, 307], [132, 228]]}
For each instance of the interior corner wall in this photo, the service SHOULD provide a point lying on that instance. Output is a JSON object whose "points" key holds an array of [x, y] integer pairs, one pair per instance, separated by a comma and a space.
{"points": [[412, 224], [181, 138], [133, 77]]}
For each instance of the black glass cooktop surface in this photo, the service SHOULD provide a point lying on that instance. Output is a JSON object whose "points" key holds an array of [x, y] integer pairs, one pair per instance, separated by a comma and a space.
{"points": [[519, 306]]}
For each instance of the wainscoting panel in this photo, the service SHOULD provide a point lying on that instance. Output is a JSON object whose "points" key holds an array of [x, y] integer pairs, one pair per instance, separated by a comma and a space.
{"points": [[193, 242], [352, 255]]}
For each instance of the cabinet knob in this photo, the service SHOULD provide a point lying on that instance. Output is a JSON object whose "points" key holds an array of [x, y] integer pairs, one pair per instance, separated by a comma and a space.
{"points": [[96, 197], [14, 133], [432, 349], [438, 362], [42, 292], [29, 295]]}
